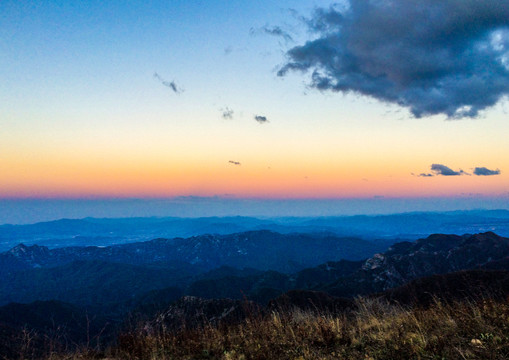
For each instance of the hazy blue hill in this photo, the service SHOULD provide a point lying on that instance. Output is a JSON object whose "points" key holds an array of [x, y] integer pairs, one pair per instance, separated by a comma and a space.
{"points": [[92, 231], [105, 232], [263, 250], [417, 224]]}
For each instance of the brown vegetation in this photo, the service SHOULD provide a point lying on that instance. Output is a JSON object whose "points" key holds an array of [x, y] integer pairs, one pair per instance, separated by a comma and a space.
{"points": [[376, 330]]}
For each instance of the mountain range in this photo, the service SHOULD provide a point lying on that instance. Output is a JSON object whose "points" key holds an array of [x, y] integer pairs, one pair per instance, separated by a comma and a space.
{"points": [[166, 281], [106, 232]]}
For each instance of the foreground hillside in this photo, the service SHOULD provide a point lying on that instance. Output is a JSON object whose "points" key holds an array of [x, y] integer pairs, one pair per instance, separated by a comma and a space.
{"points": [[375, 330]]}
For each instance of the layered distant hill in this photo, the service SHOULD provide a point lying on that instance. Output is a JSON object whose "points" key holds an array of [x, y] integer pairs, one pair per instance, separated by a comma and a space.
{"points": [[263, 250], [105, 232], [100, 276], [400, 264], [259, 265]]}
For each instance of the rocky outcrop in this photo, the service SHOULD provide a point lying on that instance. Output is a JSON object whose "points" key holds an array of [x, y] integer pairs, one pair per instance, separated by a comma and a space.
{"points": [[436, 254]]}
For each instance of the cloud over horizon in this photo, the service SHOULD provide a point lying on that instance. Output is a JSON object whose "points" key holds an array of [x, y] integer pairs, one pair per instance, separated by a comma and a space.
{"points": [[237, 163], [482, 171], [443, 170], [439, 169], [447, 57]]}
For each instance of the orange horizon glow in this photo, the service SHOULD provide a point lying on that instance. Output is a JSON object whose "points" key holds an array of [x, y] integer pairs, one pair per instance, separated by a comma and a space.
{"points": [[238, 181], [277, 162]]}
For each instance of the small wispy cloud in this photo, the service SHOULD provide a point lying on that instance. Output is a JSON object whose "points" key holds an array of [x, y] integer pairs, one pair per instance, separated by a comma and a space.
{"points": [[276, 31], [443, 170], [482, 171], [237, 163], [227, 113], [261, 119], [169, 84]]}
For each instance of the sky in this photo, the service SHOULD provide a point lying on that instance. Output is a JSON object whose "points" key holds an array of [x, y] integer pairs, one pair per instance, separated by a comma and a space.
{"points": [[361, 99]]}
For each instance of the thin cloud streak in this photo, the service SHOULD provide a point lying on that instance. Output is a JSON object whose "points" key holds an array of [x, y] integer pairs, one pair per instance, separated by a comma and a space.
{"points": [[170, 84], [276, 31], [439, 169]]}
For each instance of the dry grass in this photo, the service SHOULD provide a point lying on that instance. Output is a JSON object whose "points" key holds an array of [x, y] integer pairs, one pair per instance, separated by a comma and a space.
{"points": [[376, 331]]}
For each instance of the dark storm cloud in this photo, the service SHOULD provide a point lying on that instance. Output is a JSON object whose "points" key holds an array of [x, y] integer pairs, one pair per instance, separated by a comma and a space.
{"points": [[482, 171], [443, 170], [446, 57], [234, 162], [170, 84], [261, 119], [227, 113]]}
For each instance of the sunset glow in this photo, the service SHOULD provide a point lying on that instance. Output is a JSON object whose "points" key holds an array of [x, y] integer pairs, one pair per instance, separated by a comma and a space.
{"points": [[158, 101]]}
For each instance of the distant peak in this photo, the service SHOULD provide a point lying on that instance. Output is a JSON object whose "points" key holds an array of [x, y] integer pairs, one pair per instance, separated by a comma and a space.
{"points": [[20, 246], [22, 249]]}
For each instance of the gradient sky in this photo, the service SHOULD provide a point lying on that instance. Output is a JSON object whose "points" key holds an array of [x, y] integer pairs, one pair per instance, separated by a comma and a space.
{"points": [[83, 116]]}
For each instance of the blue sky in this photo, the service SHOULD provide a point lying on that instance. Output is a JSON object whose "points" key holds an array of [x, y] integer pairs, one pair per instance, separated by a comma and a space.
{"points": [[84, 115]]}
